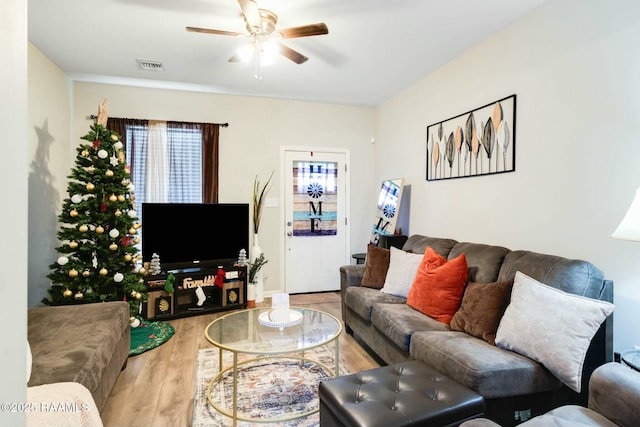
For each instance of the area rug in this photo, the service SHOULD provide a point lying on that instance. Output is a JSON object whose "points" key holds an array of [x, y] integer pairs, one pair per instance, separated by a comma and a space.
{"points": [[267, 388], [149, 335]]}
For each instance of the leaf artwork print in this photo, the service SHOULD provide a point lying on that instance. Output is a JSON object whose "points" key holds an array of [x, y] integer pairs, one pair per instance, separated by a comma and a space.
{"points": [[483, 140]]}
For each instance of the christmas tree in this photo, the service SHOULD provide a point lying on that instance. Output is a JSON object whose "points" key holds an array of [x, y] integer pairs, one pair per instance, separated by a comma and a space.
{"points": [[99, 226]]}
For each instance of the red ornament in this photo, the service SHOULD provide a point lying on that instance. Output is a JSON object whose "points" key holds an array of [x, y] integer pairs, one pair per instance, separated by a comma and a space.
{"points": [[96, 144], [103, 207], [126, 241]]}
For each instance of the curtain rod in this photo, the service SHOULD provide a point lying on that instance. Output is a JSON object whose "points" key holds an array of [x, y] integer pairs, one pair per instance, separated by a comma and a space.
{"points": [[224, 125]]}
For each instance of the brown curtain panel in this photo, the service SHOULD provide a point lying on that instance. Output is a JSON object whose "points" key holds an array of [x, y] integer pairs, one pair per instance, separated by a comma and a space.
{"points": [[119, 126], [210, 166]]}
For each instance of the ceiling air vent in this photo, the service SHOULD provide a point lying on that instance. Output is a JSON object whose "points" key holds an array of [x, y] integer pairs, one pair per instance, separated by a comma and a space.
{"points": [[149, 65]]}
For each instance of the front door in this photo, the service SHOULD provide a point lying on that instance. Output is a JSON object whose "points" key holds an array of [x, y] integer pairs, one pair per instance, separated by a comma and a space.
{"points": [[316, 228]]}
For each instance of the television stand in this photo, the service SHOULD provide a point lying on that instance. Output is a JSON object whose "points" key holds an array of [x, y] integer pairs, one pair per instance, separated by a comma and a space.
{"points": [[185, 301]]}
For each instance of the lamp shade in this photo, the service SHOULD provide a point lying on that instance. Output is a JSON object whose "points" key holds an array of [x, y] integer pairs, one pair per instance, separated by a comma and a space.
{"points": [[629, 228]]}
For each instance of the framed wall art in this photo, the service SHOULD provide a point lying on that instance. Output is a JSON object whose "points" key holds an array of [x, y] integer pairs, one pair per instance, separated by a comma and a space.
{"points": [[478, 142]]}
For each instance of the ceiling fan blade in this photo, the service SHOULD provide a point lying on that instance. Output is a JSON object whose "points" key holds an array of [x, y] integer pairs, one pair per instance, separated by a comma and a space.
{"points": [[210, 31], [293, 55], [305, 31], [251, 15]]}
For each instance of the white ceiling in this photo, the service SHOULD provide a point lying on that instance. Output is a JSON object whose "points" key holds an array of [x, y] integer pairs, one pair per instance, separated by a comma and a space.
{"points": [[374, 49]]}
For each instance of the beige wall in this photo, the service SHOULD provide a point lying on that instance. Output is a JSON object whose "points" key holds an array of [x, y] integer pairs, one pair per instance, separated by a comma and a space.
{"points": [[573, 66], [50, 161], [258, 127]]}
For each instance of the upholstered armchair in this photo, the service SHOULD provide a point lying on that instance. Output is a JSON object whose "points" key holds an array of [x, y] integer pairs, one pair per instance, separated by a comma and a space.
{"points": [[614, 396]]}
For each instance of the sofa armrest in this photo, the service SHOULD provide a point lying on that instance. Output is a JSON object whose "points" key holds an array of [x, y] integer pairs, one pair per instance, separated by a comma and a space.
{"points": [[614, 391], [350, 275]]}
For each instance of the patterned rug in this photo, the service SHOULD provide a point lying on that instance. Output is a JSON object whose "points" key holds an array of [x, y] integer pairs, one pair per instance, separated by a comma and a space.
{"points": [[149, 335], [267, 388]]}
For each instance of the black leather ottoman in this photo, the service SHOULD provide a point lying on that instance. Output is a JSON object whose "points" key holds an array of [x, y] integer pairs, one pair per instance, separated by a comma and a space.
{"points": [[404, 394]]}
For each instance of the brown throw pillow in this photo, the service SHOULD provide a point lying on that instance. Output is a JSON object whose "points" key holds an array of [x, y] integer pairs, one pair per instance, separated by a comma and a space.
{"points": [[483, 305], [376, 266]]}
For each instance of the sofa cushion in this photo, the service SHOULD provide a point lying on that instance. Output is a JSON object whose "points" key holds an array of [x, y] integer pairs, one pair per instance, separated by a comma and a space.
{"points": [[399, 321], [438, 286], [418, 244], [484, 368], [484, 261], [402, 270], [569, 275], [376, 266], [84, 343], [551, 326], [482, 307], [361, 299]]}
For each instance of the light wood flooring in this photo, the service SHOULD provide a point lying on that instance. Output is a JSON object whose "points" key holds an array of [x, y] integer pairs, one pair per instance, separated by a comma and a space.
{"points": [[157, 387]]}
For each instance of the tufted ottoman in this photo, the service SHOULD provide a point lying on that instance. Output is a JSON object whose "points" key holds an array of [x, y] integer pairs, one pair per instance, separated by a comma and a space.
{"points": [[404, 394]]}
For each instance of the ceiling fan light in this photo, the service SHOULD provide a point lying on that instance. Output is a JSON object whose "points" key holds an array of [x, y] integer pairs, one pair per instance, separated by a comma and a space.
{"points": [[245, 52], [270, 51]]}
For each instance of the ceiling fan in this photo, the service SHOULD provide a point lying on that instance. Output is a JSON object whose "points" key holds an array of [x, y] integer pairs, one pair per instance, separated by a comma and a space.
{"points": [[261, 27]]}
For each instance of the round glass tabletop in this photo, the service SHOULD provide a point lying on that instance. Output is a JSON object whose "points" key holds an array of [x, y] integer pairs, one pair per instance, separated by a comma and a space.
{"points": [[246, 332]]}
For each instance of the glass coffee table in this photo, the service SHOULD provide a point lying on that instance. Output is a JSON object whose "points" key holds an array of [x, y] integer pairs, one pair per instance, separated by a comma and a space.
{"points": [[252, 333]]}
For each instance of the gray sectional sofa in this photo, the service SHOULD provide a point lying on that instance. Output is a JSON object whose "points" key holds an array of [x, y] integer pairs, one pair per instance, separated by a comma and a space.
{"points": [[86, 344], [514, 386]]}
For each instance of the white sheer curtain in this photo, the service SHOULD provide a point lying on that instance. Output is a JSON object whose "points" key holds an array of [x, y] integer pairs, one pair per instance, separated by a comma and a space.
{"points": [[157, 173]]}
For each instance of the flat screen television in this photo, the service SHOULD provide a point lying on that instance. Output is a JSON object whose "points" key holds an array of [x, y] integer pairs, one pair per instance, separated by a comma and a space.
{"points": [[194, 235]]}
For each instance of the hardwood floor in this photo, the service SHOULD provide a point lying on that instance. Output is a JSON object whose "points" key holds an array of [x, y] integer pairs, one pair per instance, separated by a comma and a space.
{"points": [[157, 387]]}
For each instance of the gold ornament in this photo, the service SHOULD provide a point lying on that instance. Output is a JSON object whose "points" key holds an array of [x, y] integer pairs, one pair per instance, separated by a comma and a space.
{"points": [[78, 295], [73, 212], [132, 230], [133, 294], [103, 271], [136, 240], [142, 270], [118, 212], [121, 156], [73, 244], [137, 225], [113, 247], [84, 153], [131, 319], [138, 295], [99, 229], [67, 293], [90, 186], [113, 198], [86, 273], [91, 169], [83, 228], [127, 257], [73, 273], [141, 281], [121, 198]]}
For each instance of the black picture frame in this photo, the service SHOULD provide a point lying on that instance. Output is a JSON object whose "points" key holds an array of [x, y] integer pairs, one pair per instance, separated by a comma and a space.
{"points": [[476, 143]]}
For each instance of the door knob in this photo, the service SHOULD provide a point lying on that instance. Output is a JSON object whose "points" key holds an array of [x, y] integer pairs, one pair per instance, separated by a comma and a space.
{"points": [[289, 233]]}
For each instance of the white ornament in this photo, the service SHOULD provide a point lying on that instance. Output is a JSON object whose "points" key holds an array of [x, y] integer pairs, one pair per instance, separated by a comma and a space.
{"points": [[131, 188], [76, 198], [135, 323], [114, 161], [132, 213], [94, 261], [103, 154], [114, 233], [118, 145], [63, 260], [118, 277]]}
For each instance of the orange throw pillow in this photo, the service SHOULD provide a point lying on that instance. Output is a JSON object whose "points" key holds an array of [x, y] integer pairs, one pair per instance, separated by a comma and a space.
{"points": [[438, 286]]}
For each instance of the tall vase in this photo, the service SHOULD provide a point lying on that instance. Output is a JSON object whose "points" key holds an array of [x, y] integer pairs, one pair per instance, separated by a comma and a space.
{"points": [[258, 280]]}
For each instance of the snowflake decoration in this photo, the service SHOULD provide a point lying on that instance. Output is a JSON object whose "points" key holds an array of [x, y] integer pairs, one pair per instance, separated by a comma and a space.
{"points": [[389, 210], [315, 190], [114, 161]]}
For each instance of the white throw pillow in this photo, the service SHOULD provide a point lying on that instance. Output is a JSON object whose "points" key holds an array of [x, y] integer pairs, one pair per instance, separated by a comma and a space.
{"points": [[551, 327], [402, 270]]}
